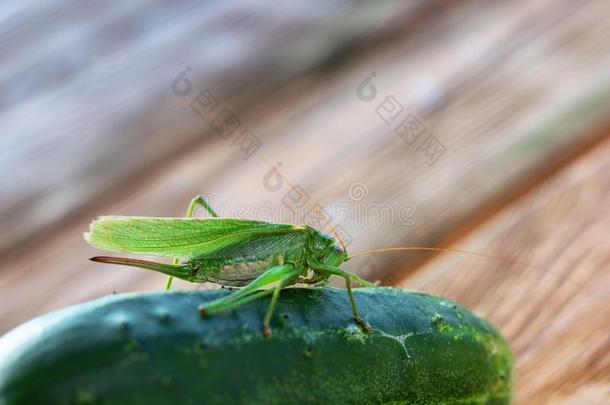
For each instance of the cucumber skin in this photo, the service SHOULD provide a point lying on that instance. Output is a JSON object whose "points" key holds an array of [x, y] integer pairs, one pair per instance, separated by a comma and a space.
{"points": [[150, 348]]}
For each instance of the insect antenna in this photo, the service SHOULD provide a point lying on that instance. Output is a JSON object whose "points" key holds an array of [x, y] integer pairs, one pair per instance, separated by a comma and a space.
{"points": [[326, 218], [454, 250], [320, 212], [437, 249], [335, 233]]}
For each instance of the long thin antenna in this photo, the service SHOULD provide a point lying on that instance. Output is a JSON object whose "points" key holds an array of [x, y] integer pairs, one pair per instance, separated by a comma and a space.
{"points": [[321, 214], [453, 250]]}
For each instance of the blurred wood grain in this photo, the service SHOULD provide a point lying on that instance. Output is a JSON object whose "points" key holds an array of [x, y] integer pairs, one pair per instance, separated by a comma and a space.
{"points": [[513, 91], [92, 73], [555, 314]]}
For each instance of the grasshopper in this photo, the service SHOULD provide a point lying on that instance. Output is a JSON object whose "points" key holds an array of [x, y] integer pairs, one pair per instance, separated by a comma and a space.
{"points": [[232, 252]]}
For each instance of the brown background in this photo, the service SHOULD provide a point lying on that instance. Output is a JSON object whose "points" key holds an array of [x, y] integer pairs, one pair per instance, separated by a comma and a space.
{"points": [[516, 92]]}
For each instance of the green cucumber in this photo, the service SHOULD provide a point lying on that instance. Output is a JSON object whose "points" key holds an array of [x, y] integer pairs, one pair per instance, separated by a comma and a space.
{"points": [[155, 348]]}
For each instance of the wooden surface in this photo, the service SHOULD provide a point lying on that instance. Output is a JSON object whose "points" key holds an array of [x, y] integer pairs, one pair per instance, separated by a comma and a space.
{"points": [[517, 92], [555, 315]]}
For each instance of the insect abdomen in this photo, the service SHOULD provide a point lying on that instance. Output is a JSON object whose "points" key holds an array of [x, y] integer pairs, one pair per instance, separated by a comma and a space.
{"points": [[243, 262], [239, 273]]}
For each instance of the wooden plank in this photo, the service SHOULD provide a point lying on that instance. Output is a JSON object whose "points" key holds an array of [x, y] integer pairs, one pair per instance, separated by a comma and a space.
{"points": [[86, 91], [555, 315], [484, 87]]}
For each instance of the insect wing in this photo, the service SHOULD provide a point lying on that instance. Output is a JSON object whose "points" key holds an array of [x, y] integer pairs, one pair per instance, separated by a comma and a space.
{"points": [[190, 238]]}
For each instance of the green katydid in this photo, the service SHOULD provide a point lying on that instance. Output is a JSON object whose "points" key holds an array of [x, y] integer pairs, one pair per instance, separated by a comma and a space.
{"points": [[237, 252], [230, 252]]}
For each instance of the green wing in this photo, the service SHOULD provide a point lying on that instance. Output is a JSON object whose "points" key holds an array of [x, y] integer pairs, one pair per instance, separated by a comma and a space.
{"points": [[192, 238]]}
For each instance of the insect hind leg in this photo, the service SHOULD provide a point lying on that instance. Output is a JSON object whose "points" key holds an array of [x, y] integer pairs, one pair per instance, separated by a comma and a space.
{"points": [[199, 200], [283, 275], [276, 293]]}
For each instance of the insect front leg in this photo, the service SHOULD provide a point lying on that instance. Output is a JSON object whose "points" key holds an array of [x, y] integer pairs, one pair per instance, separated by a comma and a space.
{"points": [[283, 275], [335, 271], [199, 200]]}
